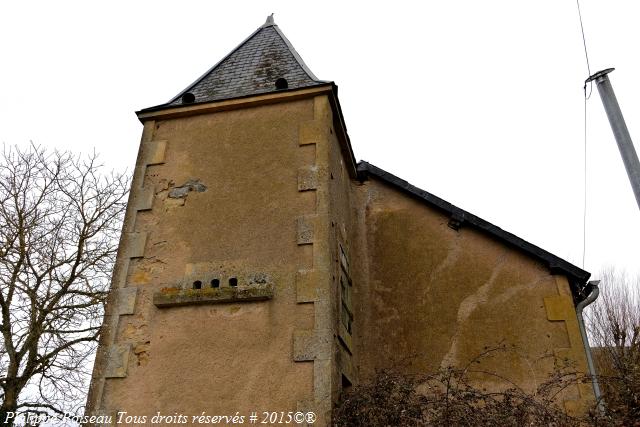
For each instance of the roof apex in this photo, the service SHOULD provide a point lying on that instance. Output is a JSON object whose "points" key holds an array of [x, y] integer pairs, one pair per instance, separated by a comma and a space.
{"points": [[269, 22], [252, 68]]}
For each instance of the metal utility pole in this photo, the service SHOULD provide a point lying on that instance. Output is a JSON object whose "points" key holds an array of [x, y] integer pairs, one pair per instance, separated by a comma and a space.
{"points": [[619, 127]]}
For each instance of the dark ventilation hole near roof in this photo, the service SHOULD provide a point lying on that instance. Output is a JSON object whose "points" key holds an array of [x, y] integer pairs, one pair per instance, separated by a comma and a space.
{"points": [[215, 283], [282, 83], [233, 281], [197, 284], [188, 98]]}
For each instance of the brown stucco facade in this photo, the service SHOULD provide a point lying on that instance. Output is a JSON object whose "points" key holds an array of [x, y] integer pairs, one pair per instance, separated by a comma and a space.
{"points": [[261, 270], [433, 296]]}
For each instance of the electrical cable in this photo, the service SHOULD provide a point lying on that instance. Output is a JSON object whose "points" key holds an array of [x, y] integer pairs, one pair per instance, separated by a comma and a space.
{"points": [[584, 42], [586, 98]]}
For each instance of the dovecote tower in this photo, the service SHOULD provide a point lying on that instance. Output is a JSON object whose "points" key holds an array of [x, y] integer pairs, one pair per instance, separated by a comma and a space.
{"points": [[261, 269], [224, 296]]}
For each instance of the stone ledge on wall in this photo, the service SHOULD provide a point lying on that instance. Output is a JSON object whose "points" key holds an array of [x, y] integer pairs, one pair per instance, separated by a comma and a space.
{"points": [[172, 297]]}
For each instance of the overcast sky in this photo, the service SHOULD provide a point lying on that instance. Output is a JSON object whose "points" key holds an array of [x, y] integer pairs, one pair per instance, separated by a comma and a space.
{"points": [[478, 102]]}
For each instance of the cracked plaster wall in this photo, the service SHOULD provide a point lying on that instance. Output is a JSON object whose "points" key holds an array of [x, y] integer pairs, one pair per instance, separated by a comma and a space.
{"points": [[225, 202], [436, 297]]}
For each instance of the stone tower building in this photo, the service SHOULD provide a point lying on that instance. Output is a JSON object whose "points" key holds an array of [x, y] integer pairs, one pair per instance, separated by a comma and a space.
{"points": [[262, 269]]}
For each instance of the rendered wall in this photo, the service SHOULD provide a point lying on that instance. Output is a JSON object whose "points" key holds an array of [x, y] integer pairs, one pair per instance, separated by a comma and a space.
{"points": [[263, 192], [437, 297], [233, 193]]}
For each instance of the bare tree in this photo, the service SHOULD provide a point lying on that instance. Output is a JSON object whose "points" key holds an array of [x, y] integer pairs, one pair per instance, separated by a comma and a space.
{"points": [[614, 328], [60, 218]]}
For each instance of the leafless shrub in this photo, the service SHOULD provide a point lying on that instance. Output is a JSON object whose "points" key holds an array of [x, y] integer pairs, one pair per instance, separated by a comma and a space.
{"points": [[60, 218], [449, 397], [613, 322]]}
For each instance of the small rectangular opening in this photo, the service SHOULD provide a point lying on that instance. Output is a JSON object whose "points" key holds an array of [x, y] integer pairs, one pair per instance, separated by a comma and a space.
{"points": [[346, 384], [233, 281]]}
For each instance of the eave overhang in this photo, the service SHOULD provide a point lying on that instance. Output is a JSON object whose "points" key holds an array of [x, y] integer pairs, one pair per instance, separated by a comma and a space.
{"points": [[577, 277], [167, 112]]}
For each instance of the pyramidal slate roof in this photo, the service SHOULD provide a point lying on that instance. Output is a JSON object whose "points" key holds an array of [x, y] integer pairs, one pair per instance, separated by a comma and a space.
{"points": [[252, 68]]}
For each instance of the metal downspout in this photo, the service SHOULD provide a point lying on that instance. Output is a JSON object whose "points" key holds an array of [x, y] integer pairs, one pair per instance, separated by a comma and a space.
{"points": [[593, 295]]}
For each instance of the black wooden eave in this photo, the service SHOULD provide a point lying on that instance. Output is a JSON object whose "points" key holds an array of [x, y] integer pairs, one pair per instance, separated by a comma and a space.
{"points": [[577, 277]]}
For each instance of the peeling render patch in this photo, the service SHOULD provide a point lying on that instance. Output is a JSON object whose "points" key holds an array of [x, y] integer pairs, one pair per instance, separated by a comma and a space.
{"points": [[182, 191]]}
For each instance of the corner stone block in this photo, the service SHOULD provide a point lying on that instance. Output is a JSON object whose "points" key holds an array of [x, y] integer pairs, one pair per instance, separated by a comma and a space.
{"points": [[308, 178], [322, 380], [303, 348], [321, 108], [305, 229], [144, 200], [154, 152], [311, 132], [135, 244], [117, 361], [126, 300], [559, 307], [306, 284], [311, 345]]}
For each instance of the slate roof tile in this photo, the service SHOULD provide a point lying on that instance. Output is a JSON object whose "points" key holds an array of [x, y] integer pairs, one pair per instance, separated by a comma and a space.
{"points": [[252, 68]]}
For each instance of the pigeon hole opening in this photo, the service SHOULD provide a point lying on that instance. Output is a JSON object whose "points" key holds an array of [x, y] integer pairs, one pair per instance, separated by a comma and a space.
{"points": [[282, 83], [188, 98]]}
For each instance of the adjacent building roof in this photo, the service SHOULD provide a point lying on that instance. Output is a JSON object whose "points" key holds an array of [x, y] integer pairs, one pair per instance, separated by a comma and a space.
{"points": [[460, 218], [252, 68]]}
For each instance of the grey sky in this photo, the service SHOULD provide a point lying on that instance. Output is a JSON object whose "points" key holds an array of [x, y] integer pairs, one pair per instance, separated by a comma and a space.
{"points": [[477, 102]]}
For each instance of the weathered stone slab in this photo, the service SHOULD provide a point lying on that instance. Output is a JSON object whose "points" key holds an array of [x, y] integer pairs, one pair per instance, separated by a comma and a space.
{"points": [[307, 178], [306, 286], [311, 132], [126, 300], [135, 244], [173, 297], [311, 345], [117, 361], [155, 152], [144, 201], [305, 226]]}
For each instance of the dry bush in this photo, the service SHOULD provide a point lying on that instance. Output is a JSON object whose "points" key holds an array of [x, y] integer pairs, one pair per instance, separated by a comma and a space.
{"points": [[449, 397], [453, 396], [613, 322]]}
